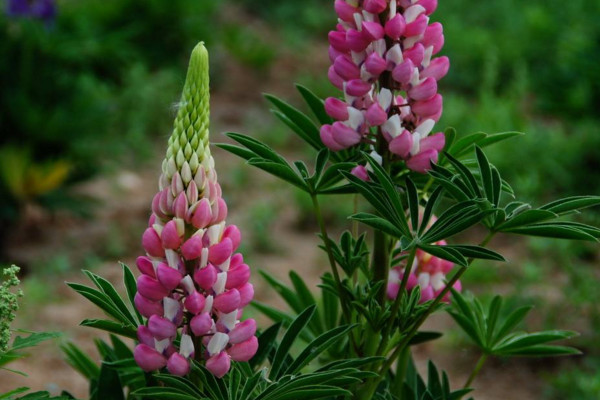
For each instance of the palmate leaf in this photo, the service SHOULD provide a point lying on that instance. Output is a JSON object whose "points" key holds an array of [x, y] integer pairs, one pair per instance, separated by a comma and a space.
{"points": [[316, 105], [494, 334], [571, 204], [436, 388]]}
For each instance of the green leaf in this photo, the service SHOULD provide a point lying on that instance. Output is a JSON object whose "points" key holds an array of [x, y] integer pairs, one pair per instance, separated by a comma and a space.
{"points": [[413, 204], [318, 346], [109, 384], [424, 336], [111, 326], [554, 230], [486, 174], [378, 223], [164, 393], [9, 395], [259, 148], [80, 361], [33, 339], [497, 137], [237, 150], [525, 340], [445, 252], [463, 144], [526, 218], [470, 251], [288, 339], [284, 291], [511, 322], [282, 171], [430, 207], [316, 105], [466, 174], [99, 299], [543, 351], [273, 313], [131, 288], [570, 204], [306, 129], [266, 343], [306, 299]]}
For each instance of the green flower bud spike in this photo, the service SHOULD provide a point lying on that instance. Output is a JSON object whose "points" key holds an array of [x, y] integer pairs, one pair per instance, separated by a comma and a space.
{"points": [[188, 147]]}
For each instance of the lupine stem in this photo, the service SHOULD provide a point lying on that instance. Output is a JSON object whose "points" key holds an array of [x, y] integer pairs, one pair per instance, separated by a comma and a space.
{"points": [[476, 370]]}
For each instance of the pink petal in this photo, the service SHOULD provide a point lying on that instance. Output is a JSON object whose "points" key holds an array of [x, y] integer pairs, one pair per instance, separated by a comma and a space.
{"points": [[335, 79], [206, 277], [376, 115], [147, 307], [336, 109], [150, 288], [147, 358], [192, 248], [337, 40], [415, 54], [403, 72], [203, 215], [327, 139], [372, 30], [344, 10], [437, 69], [435, 142], [401, 144], [201, 324], [233, 233], [152, 243], [145, 336], [242, 331], [168, 277], [375, 6], [360, 172], [358, 87], [424, 91], [145, 266], [417, 27], [161, 328], [345, 68], [428, 108], [219, 364], [246, 294], [375, 65], [244, 351], [180, 205], [170, 236], [178, 365], [395, 27], [422, 161], [194, 302], [237, 276], [228, 301], [344, 135], [220, 252]]}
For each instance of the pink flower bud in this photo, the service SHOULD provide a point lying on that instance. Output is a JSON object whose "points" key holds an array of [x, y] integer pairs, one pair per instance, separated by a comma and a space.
{"points": [[147, 307], [192, 248], [202, 215], [345, 68], [403, 72], [201, 324], [426, 294], [220, 363], [152, 243], [335, 53], [244, 351], [161, 328], [415, 54], [344, 135], [237, 276], [147, 358], [434, 36], [375, 6], [356, 40], [422, 161], [424, 91], [246, 294], [375, 64], [417, 27], [360, 172], [401, 144], [336, 109], [178, 365], [327, 138], [180, 205], [376, 115], [220, 252], [228, 301], [168, 277], [358, 87], [194, 302], [344, 10], [372, 30], [145, 336], [233, 233], [434, 142], [145, 266], [170, 236], [429, 5], [150, 288], [395, 27], [437, 69], [335, 79], [156, 206], [428, 108], [337, 40], [392, 290], [206, 277], [242, 331]]}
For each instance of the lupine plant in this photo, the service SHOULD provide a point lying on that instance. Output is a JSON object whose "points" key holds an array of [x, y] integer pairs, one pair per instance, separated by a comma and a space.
{"points": [[414, 193]]}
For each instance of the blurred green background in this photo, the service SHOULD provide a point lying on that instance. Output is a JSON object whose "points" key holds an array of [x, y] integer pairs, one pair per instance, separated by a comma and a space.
{"points": [[88, 92]]}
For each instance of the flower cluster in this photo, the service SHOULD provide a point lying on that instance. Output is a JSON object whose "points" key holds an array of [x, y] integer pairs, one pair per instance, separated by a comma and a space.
{"points": [[193, 285], [382, 59], [428, 272], [8, 303]]}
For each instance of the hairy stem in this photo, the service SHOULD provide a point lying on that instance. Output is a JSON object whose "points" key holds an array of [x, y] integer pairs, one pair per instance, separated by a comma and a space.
{"points": [[476, 370]]}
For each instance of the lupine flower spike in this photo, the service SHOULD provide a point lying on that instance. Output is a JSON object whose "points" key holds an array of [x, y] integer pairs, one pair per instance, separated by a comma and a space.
{"points": [[193, 285], [382, 54]]}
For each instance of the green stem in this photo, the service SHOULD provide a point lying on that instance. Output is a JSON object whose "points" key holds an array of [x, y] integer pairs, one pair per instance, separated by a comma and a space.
{"points": [[381, 260], [401, 367], [476, 370]]}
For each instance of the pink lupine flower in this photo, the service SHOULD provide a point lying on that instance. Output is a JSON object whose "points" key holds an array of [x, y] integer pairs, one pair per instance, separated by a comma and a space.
{"points": [[192, 284], [387, 45], [428, 272]]}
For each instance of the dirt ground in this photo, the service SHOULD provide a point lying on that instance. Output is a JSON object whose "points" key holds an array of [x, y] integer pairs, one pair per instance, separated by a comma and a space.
{"points": [[124, 206]]}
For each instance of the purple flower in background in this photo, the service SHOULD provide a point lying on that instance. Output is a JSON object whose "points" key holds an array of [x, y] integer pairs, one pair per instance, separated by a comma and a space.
{"points": [[44, 10]]}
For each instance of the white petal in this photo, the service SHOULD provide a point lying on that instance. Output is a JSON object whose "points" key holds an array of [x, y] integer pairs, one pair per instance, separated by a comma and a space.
{"points": [[158, 227], [356, 118], [186, 347], [395, 54], [392, 9], [217, 343], [393, 276], [161, 345], [416, 147], [171, 308], [437, 281], [225, 266], [427, 57], [415, 79], [208, 303], [367, 16], [204, 257], [385, 98], [412, 12], [219, 286], [214, 233], [424, 279], [392, 126], [425, 127], [172, 258], [377, 157], [358, 19], [229, 320], [409, 42], [379, 47], [358, 58], [188, 284]]}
